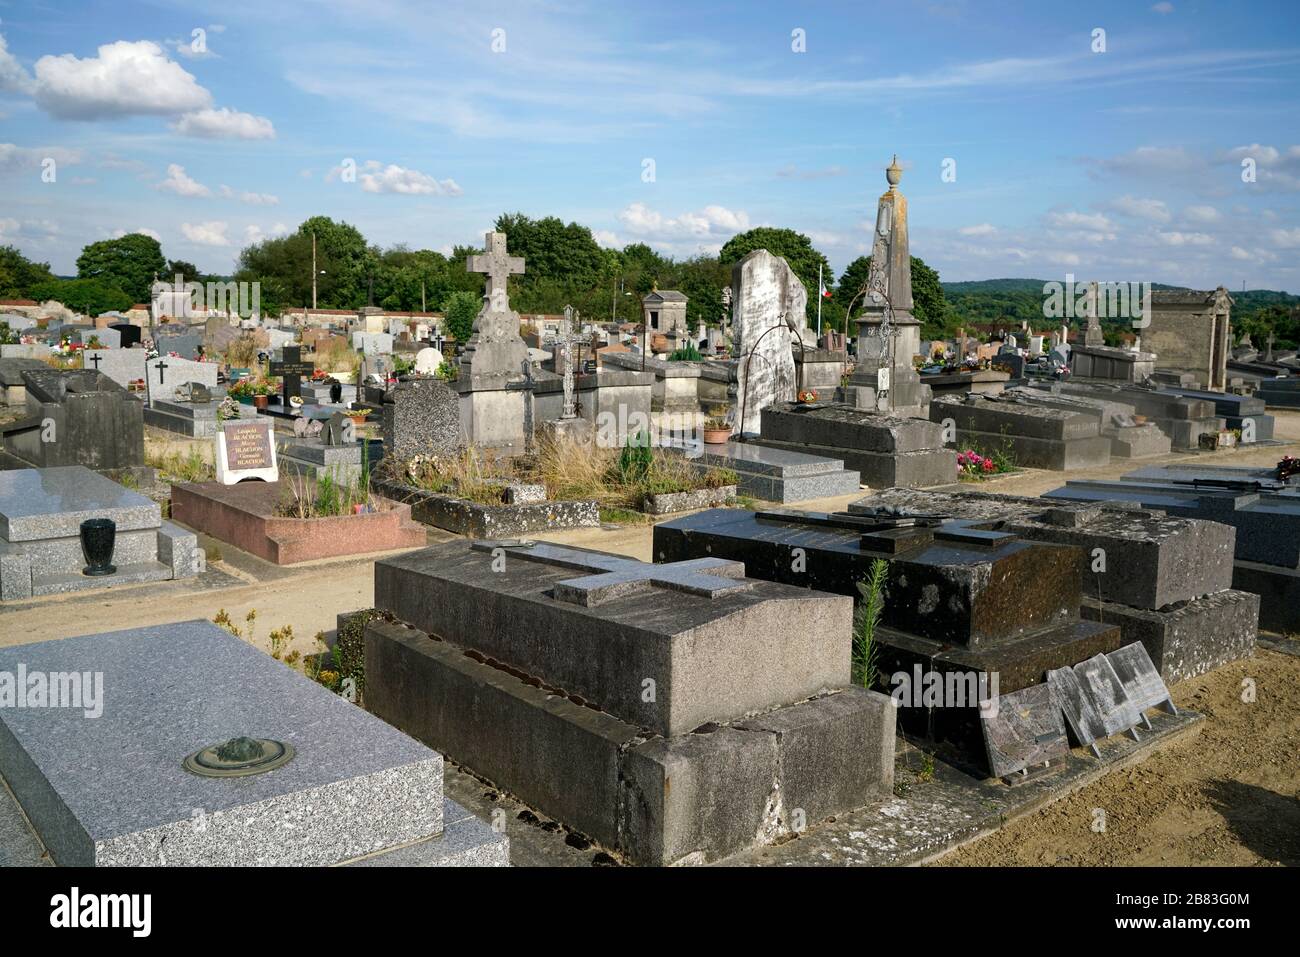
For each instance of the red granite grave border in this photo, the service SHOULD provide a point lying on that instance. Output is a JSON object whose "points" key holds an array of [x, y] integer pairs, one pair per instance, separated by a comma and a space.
{"points": [[243, 515]]}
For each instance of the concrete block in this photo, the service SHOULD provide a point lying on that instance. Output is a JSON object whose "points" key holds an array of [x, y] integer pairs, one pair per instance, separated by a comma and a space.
{"points": [[1191, 638]]}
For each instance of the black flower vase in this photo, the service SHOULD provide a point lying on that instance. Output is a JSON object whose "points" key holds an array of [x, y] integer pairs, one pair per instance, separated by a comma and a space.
{"points": [[98, 535], [336, 392]]}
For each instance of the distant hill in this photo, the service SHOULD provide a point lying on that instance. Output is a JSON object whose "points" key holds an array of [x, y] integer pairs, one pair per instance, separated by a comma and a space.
{"points": [[1017, 285]]}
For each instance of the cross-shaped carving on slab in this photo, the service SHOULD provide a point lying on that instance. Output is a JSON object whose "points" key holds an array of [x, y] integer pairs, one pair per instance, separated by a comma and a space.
{"points": [[610, 577]]}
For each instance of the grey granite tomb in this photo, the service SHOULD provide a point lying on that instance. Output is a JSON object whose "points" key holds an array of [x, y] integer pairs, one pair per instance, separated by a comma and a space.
{"points": [[41, 511], [110, 790]]}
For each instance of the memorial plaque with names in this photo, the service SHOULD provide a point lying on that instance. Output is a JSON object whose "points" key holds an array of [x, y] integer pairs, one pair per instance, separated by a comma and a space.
{"points": [[1024, 730], [291, 368], [246, 450]]}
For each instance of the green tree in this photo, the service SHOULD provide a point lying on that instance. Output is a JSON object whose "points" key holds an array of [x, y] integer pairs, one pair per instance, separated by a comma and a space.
{"points": [[854, 278], [554, 251], [90, 296], [18, 274], [179, 267], [131, 263], [794, 247], [928, 302], [460, 309]]}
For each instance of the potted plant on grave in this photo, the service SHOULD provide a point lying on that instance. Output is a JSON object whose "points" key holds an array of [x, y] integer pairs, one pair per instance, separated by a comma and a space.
{"points": [[717, 430], [807, 396], [242, 391]]}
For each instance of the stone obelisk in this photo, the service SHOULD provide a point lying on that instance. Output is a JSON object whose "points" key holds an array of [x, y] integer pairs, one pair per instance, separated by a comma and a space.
{"points": [[888, 334]]}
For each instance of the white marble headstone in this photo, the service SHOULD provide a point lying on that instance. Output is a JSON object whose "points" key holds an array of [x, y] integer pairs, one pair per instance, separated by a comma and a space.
{"points": [[427, 361]]}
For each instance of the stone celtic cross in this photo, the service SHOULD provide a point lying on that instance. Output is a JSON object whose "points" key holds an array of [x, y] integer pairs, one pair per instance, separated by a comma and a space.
{"points": [[609, 577]]}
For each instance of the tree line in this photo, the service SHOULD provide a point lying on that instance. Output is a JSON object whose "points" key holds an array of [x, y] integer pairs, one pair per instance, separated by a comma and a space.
{"points": [[565, 266]]}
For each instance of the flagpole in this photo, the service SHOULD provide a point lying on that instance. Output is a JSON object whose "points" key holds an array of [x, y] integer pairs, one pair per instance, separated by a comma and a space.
{"points": [[819, 300]]}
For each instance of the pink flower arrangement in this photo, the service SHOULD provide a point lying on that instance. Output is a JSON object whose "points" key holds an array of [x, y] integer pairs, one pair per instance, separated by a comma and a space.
{"points": [[972, 463]]}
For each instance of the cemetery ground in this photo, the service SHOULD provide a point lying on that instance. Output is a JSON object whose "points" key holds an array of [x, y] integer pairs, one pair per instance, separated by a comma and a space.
{"points": [[1222, 790]]}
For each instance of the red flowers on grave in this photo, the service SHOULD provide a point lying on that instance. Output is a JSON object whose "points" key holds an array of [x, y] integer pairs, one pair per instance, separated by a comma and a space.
{"points": [[972, 463], [807, 395]]}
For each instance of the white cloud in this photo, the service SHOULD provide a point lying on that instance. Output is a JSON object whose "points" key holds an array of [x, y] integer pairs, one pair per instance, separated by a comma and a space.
{"points": [[125, 79], [392, 178], [1071, 219], [15, 158], [606, 238], [1201, 214], [1175, 238], [1286, 238], [119, 233], [1152, 209], [1164, 6], [1265, 155], [253, 199], [211, 233], [13, 78], [710, 222], [1238, 253], [255, 234], [181, 184], [225, 124], [980, 229]]}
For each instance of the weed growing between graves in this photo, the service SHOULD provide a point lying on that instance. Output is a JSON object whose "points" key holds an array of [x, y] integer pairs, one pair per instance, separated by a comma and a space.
{"points": [[301, 497], [866, 651], [176, 468], [242, 352], [280, 639], [617, 479], [338, 356], [621, 478]]}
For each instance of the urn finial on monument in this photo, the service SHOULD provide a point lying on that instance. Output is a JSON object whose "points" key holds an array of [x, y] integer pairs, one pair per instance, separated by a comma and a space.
{"points": [[893, 173]]}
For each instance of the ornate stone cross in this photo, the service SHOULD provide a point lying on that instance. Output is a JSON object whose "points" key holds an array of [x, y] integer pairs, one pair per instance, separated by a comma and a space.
{"points": [[565, 340]]}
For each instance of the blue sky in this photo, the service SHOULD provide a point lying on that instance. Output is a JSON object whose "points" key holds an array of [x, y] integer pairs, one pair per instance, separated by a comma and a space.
{"points": [[1122, 163]]}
